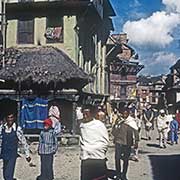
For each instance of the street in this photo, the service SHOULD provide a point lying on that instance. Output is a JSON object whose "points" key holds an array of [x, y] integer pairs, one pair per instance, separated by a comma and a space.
{"points": [[154, 163]]}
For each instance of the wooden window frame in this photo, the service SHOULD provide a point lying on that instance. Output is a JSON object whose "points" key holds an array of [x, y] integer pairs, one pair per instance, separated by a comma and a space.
{"points": [[23, 34]]}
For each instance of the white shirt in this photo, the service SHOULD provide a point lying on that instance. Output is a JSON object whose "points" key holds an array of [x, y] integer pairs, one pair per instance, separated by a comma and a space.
{"points": [[161, 122], [94, 140]]}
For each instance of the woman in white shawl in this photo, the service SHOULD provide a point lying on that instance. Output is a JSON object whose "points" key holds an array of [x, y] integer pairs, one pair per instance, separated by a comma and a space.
{"points": [[54, 113]]}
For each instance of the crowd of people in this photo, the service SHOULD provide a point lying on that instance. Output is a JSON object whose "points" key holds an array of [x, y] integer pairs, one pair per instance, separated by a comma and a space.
{"points": [[126, 123]]}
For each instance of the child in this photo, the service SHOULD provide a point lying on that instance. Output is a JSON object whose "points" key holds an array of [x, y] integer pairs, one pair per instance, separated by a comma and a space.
{"points": [[173, 131], [48, 145]]}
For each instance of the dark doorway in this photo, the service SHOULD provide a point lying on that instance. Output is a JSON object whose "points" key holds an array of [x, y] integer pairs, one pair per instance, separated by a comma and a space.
{"points": [[7, 106]]}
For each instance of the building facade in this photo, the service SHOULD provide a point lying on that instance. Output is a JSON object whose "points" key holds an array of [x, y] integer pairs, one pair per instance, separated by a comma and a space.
{"points": [[123, 69], [79, 28], [150, 90], [172, 87]]}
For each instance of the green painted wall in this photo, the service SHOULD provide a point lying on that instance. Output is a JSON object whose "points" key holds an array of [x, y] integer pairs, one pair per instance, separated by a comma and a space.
{"points": [[70, 38], [71, 47], [70, 41], [39, 29], [11, 33]]}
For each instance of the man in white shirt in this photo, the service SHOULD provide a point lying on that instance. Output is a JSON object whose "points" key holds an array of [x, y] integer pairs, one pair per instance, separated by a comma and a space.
{"points": [[162, 126], [79, 117], [94, 143]]}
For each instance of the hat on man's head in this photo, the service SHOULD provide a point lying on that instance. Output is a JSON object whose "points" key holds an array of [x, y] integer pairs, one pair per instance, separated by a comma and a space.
{"points": [[48, 122]]}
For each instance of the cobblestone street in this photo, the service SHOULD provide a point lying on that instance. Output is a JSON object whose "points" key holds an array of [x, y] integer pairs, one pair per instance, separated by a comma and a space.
{"points": [[154, 163]]}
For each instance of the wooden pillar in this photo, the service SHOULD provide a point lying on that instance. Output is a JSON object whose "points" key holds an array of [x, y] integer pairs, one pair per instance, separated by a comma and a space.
{"points": [[18, 110], [3, 29], [74, 130]]}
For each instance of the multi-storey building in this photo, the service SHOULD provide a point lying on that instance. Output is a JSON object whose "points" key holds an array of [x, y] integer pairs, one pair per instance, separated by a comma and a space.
{"points": [[172, 87], [80, 28], [123, 69], [150, 90]]}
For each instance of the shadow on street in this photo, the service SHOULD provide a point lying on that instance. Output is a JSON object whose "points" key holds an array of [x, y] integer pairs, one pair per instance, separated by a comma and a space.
{"points": [[153, 145], [143, 152], [165, 167]]}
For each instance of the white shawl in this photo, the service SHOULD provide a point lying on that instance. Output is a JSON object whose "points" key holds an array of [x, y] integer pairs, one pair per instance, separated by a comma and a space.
{"points": [[131, 122]]}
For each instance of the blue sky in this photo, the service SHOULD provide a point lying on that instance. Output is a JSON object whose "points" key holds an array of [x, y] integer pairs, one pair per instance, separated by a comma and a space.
{"points": [[153, 29]]}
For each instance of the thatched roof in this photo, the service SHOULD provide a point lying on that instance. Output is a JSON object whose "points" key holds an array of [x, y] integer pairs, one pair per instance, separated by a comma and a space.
{"points": [[42, 65]]}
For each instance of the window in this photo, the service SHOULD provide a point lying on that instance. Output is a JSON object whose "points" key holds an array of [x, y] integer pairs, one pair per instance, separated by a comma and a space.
{"points": [[123, 91], [54, 29], [153, 99], [25, 32]]}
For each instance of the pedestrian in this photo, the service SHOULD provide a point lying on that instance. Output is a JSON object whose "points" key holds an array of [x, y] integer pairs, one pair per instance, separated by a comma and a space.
{"points": [[178, 116], [54, 113], [11, 134], [174, 131], [133, 109], [162, 126], [134, 151], [94, 144], [79, 118], [48, 145], [101, 115], [124, 131], [114, 116], [148, 117]]}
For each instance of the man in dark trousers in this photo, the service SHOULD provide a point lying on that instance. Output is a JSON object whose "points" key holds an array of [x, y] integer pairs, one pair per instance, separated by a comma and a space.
{"points": [[124, 131], [94, 143], [148, 117], [11, 134]]}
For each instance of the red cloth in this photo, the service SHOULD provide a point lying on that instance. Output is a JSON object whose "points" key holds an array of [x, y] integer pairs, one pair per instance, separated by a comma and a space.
{"points": [[178, 118], [48, 122]]}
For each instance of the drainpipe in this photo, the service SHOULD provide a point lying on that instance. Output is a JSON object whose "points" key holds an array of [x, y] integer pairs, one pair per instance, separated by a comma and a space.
{"points": [[3, 29]]}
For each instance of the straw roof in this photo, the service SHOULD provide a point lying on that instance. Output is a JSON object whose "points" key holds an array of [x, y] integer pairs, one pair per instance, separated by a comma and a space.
{"points": [[42, 65]]}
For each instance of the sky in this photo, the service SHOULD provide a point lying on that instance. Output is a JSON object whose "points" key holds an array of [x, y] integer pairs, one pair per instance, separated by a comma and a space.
{"points": [[153, 30]]}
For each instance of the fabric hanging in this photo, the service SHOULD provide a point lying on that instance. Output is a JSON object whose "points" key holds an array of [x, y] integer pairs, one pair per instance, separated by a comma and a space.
{"points": [[33, 113]]}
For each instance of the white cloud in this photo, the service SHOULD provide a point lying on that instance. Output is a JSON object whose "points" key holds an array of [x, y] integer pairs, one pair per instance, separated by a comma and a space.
{"points": [[172, 4], [154, 31], [159, 62], [163, 58]]}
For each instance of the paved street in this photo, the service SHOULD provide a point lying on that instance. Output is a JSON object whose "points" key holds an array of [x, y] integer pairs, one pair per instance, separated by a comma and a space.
{"points": [[154, 164]]}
